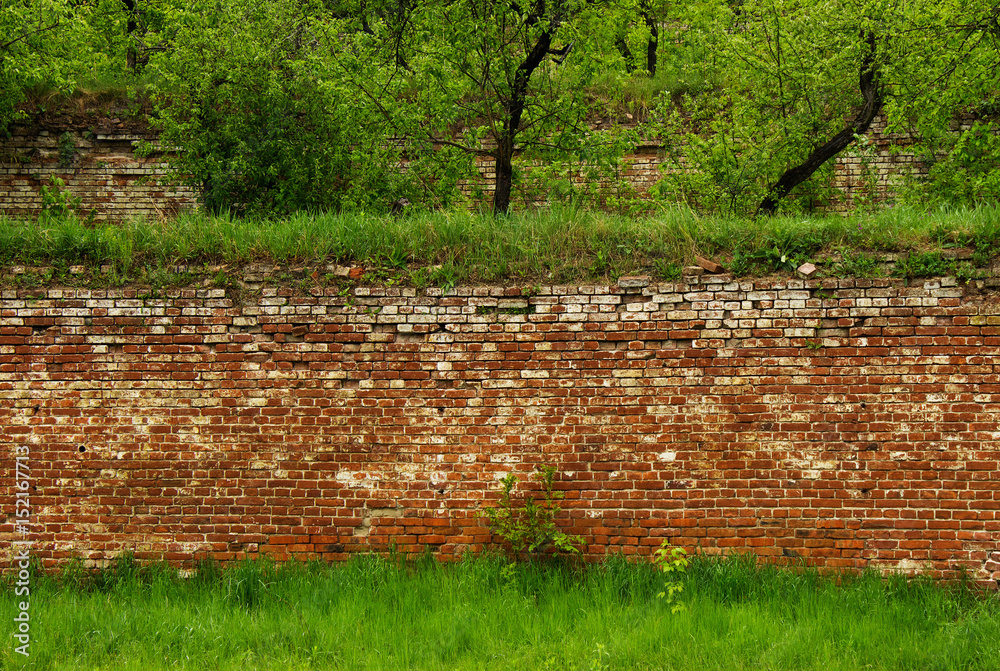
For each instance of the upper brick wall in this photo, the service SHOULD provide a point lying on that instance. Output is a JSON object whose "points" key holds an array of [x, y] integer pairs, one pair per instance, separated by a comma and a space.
{"points": [[103, 169], [849, 423]]}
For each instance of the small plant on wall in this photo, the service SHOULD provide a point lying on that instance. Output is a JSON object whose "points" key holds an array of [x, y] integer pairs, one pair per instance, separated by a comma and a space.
{"points": [[530, 530]]}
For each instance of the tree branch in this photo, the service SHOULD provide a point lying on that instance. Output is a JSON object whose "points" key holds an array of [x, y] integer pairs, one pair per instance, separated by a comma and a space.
{"points": [[8, 45], [874, 97]]}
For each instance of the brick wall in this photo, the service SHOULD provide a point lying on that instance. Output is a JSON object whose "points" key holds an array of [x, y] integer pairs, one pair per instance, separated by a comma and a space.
{"points": [[103, 169], [847, 423]]}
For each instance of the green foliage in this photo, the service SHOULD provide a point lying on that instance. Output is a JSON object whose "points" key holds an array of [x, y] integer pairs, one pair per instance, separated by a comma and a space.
{"points": [[857, 264], [497, 78], [783, 251], [933, 264], [964, 168], [349, 105], [41, 44], [264, 121], [788, 73], [530, 529], [671, 561], [591, 173], [945, 63], [67, 150], [56, 202]]}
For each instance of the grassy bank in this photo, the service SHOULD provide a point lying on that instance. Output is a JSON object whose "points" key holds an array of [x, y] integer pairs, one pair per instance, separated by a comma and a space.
{"points": [[553, 246], [373, 613]]}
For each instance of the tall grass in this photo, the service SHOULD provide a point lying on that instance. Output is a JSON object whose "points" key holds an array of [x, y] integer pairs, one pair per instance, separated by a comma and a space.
{"points": [[558, 244], [377, 613]]}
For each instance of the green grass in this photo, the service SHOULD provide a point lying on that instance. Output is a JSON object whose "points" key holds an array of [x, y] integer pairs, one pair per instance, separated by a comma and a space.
{"points": [[556, 245], [373, 613]]}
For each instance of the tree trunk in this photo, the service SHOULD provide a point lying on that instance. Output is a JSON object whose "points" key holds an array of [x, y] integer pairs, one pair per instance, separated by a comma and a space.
{"points": [[514, 108], [505, 179], [874, 96], [626, 53], [131, 57], [653, 43]]}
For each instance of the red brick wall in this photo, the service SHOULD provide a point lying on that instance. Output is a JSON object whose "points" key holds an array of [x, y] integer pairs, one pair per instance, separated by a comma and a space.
{"points": [[850, 423]]}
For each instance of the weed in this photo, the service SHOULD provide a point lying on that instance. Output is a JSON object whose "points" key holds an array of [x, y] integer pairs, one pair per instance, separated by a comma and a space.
{"points": [[600, 264], [447, 276], [398, 257], [58, 203], [925, 264], [421, 278], [67, 150], [668, 270], [531, 529], [782, 251], [965, 272], [857, 264], [982, 256], [671, 561]]}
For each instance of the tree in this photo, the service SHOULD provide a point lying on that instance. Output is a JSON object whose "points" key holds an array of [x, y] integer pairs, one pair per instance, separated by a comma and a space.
{"points": [[645, 32], [799, 82], [263, 123], [42, 43], [945, 74], [494, 78], [872, 97]]}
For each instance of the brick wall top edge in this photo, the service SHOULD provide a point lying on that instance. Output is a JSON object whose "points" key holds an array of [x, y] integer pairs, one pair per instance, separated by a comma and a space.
{"points": [[686, 290]]}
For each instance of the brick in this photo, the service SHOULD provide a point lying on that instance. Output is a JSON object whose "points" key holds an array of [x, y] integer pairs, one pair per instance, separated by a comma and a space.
{"points": [[225, 430]]}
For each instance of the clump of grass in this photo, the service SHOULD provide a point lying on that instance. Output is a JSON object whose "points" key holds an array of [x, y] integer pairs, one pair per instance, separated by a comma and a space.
{"points": [[561, 244], [389, 613]]}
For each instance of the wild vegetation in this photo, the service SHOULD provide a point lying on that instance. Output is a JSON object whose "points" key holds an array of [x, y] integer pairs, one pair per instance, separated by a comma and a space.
{"points": [[387, 613], [552, 246], [337, 132], [285, 106]]}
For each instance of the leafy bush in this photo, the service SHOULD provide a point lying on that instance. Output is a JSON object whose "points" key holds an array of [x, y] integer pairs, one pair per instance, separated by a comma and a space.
{"points": [[263, 120], [57, 203], [531, 529], [964, 168]]}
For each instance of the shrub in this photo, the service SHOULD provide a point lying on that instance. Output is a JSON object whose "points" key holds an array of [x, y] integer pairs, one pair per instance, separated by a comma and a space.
{"points": [[531, 529], [263, 121]]}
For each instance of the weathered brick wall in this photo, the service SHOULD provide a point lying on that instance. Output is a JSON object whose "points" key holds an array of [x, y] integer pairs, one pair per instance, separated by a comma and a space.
{"points": [[849, 423], [101, 168]]}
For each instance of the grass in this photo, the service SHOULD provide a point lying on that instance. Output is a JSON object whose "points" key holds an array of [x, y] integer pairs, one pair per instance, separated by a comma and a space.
{"points": [[557, 245], [375, 613]]}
